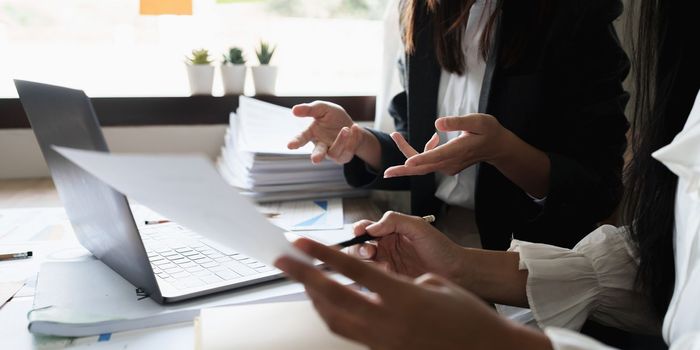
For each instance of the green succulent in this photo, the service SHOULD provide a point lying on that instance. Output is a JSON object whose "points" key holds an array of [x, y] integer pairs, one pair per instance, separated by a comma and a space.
{"points": [[234, 56], [264, 53], [199, 57]]}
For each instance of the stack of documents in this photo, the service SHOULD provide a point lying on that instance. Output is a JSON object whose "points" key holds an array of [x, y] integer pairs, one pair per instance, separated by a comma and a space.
{"points": [[255, 157]]}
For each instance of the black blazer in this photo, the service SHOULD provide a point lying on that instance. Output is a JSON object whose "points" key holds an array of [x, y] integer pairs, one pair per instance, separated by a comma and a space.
{"points": [[563, 95]]}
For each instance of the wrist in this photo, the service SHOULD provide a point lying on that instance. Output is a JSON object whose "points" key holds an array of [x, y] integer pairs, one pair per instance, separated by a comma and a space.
{"points": [[461, 272], [369, 149], [509, 144], [524, 165]]}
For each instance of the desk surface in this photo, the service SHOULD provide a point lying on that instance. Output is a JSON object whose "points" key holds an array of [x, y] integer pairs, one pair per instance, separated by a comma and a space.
{"points": [[33, 193]]}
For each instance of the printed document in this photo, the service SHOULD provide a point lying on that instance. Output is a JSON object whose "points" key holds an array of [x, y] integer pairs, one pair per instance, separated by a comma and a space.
{"points": [[306, 215], [188, 190]]}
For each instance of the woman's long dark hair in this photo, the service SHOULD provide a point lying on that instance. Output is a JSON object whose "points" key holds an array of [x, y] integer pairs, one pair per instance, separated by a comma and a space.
{"points": [[665, 91], [449, 19]]}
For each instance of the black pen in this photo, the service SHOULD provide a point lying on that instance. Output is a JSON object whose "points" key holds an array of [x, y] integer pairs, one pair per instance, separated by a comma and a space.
{"points": [[367, 237], [15, 256]]}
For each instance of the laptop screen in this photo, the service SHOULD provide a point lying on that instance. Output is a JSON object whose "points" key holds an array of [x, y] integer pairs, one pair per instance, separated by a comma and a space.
{"points": [[100, 216]]}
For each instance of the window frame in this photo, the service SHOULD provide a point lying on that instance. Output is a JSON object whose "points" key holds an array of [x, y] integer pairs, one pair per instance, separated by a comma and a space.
{"points": [[192, 110]]}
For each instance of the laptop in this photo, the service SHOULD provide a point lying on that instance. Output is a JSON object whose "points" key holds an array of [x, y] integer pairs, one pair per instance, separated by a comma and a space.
{"points": [[164, 261]]}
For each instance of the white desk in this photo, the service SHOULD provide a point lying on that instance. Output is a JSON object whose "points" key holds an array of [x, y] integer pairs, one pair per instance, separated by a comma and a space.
{"points": [[13, 315]]}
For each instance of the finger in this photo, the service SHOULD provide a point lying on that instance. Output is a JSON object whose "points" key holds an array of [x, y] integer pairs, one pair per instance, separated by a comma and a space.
{"points": [[319, 152], [301, 139], [352, 144], [363, 273], [319, 284], [404, 170], [450, 150], [358, 228], [403, 145], [364, 251], [473, 123], [340, 143], [316, 109], [432, 143], [430, 279], [393, 222]]}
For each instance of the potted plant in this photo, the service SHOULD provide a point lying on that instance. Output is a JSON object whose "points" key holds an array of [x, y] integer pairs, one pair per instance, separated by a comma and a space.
{"points": [[200, 72], [264, 75], [233, 72]]}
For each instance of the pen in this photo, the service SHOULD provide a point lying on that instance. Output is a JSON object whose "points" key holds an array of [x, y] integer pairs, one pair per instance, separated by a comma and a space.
{"points": [[367, 237], [15, 256], [153, 222]]}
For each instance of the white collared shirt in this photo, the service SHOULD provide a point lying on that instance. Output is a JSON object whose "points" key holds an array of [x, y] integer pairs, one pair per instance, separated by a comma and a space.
{"points": [[596, 279], [459, 95]]}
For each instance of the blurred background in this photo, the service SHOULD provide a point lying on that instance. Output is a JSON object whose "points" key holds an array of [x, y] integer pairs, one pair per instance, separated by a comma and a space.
{"points": [[107, 48]]}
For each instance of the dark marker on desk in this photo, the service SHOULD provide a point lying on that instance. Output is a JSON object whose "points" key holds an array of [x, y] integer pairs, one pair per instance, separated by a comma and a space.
{"points": [[154, 222], [15, 256], [367, 237]]}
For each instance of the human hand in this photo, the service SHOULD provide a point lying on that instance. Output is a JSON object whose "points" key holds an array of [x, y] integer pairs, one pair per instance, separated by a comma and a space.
{"points": [[409, 246], [482, 139], [332, 131], [426, 313]]}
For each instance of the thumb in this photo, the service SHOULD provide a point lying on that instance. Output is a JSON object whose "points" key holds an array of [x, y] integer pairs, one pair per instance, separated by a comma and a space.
{"points": [[393, 222], [472, 123], [316, 109]]}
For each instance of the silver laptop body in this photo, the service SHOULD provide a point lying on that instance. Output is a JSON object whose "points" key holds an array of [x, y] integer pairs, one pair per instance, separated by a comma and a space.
{"points": [[164, 261]]}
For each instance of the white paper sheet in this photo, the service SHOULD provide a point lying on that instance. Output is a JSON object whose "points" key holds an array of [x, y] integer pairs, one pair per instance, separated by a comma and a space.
{"points": [[8, 289], [328, 237], [255, 118], [34, 224], [188, 190], [288, 325], [307, 215]]}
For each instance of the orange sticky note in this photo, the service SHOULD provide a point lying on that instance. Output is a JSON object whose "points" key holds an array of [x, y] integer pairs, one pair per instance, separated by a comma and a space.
{"points": [[166, 7]]}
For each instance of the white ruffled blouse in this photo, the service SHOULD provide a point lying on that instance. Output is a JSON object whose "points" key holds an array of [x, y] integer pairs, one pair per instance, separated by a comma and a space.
{"points": [[604, 265]]}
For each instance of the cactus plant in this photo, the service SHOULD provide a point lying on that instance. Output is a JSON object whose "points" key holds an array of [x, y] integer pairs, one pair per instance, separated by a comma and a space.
{"points": [[199, 57], [265, 52], [234, 56]]}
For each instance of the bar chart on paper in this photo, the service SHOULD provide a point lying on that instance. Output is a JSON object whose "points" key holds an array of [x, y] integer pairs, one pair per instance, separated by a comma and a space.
{"points": [[34, 224], [306, 215]]}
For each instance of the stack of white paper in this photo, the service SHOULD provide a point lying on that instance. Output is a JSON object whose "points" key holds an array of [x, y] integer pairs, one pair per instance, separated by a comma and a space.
{"points": [[255, 157]]}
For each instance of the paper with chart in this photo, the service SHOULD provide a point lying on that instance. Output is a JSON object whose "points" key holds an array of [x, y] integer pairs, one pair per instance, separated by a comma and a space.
{"points": [[188, 190], [34, 224], [306, 215]]}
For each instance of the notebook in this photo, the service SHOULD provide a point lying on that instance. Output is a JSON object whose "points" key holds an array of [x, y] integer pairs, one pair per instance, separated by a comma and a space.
{"points": [[82, 298], [280, 325]]}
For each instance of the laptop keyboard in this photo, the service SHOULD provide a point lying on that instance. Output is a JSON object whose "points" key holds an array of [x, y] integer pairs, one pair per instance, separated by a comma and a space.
{"points": [[186, 259]]}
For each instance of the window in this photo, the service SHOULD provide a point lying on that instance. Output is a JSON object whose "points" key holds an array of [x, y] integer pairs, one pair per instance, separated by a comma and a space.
{"points": [[324, 47]]}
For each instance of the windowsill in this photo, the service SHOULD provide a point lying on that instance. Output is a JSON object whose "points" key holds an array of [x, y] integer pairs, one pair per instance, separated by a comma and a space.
{"points": [[190, 110]]}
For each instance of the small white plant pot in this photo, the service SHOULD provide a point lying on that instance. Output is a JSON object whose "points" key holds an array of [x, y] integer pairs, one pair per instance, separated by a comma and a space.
{"points": [[265, 78], [233, 77], [201, 77]]}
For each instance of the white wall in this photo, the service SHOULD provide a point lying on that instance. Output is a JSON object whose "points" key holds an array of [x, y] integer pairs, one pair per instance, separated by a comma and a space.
{"points": [[20, 156]]}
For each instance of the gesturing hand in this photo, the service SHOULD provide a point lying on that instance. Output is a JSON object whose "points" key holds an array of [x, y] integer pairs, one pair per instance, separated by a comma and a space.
{"points": [[408, 245], [482, 138], [332, 131], [426, 313]]}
